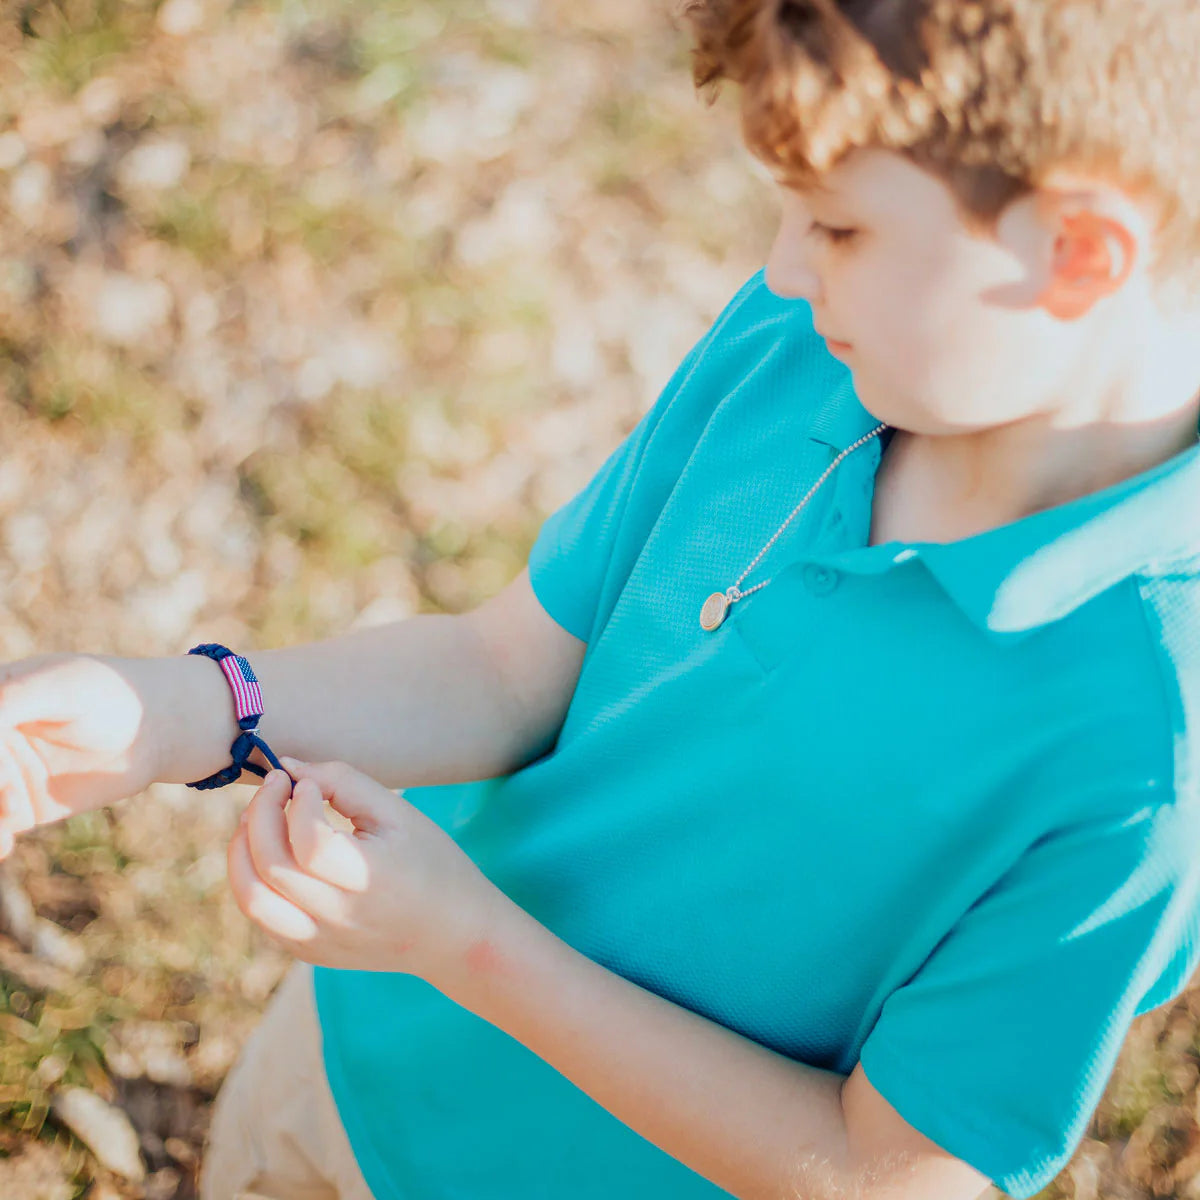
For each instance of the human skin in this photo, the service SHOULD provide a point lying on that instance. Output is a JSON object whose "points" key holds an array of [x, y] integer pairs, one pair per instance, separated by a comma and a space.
{"points": [[1022, 368], [397, 894], [966, 345], [435, 698]]}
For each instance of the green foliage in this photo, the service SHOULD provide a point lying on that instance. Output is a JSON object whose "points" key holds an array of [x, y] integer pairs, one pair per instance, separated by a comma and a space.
{"points": [[70, 41]]}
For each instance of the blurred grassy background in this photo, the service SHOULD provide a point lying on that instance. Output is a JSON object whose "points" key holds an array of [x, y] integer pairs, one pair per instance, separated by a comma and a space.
{"points": [[309, 313]]}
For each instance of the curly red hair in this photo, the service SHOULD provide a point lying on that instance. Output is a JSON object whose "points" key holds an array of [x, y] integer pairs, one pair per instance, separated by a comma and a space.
{"points": [[990, 95]]}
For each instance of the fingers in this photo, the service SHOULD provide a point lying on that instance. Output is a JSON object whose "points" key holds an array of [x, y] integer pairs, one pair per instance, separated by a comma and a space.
{"points": [[18, 798], [15, 811], [355, 795], [269, 847], [36, 777], [320, 850], [329, 777], [25, 796], [264, 906], [11, 799]]}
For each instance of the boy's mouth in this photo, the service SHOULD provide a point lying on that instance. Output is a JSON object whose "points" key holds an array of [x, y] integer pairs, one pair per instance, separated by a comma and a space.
{"points": [[833, 343]]}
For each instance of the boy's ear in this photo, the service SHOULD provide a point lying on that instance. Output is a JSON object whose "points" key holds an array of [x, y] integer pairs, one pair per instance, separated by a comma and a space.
{"points": [[1079, 245], [1093, 255]]}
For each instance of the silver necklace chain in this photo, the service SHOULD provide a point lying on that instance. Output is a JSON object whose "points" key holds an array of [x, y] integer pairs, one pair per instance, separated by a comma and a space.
{"points": [[715, 608]]}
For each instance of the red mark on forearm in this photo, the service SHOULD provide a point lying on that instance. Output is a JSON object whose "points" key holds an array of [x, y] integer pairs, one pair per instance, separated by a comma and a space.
{"points": [[484, 958]]}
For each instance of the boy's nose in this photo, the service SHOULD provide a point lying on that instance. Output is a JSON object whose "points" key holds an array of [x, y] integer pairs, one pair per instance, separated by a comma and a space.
{"points": [[795, 281], [790, 271]]}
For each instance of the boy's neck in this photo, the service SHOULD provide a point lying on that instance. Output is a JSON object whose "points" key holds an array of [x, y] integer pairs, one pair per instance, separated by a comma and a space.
{"points": [[943, 488]]}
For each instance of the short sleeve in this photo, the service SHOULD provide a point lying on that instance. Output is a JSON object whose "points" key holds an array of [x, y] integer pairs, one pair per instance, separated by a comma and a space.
{"points": [[574, 548], [584, 550], [1001, 1046]]}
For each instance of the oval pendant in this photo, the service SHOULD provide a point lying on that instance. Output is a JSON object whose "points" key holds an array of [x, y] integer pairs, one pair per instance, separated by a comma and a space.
{"points": [[714, 610]]}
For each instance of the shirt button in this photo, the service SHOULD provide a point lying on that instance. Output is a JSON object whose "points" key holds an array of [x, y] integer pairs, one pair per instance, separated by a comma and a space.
{"points": [[820, 580]]}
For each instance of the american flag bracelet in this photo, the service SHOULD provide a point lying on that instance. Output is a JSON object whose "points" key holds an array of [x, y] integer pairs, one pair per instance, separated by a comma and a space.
{"points": [[248, 706]]}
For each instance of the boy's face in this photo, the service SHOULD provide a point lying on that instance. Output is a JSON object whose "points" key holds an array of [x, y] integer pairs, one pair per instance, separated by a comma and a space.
{"points": [[944, 327]]}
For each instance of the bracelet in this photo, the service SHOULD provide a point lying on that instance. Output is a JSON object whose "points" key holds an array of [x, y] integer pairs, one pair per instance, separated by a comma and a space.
{"points": [[248, 705]]}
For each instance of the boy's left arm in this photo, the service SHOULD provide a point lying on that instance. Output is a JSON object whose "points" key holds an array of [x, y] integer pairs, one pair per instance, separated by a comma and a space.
{"points": [[756, 1123]]}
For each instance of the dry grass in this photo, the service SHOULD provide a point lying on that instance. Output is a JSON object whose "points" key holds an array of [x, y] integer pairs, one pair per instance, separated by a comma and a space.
{"points": [[310, 311]]}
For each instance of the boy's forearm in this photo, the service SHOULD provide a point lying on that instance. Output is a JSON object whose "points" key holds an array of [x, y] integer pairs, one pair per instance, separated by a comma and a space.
{"points": [[414, 702], [759, 1125]]}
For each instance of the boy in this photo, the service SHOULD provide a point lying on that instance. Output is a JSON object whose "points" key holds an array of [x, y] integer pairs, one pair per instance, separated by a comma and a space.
{"points": [[853, 886]]}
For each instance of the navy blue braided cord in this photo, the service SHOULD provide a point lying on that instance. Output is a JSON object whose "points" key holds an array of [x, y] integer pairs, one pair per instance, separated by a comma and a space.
{"points": [[245, 742]]}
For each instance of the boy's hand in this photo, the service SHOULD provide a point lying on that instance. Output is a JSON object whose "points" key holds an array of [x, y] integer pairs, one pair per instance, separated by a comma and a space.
{"points": [[70, 740], [395, 894]]}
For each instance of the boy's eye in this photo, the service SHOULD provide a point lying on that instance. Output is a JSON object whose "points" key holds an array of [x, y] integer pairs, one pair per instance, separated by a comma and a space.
{"points": [[830, 234]]}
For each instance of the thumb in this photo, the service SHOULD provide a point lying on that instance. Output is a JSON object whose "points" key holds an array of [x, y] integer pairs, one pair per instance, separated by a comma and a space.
{"points": [[355, 795]]}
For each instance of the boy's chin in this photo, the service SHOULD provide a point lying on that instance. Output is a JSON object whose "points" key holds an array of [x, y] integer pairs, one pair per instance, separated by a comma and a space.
{"points": [[874, 395]]}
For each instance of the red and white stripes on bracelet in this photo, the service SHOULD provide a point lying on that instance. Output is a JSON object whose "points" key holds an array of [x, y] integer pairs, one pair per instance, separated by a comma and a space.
{"points": [[248, 706]]}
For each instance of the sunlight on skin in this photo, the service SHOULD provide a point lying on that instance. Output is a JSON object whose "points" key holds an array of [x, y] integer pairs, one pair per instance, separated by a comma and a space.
{"points": [[395, 893], [69, 728]]}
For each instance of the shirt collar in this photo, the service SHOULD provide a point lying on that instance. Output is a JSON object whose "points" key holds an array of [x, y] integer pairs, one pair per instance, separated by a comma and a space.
{"points": [[1018, 577]]}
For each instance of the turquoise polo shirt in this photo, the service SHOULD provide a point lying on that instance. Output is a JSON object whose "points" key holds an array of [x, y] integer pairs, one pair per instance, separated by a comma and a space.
{"points": [[934, 806]]}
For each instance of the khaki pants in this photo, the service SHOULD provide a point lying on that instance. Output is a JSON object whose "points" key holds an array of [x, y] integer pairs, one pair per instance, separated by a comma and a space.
{"points": [[275, 1132]]}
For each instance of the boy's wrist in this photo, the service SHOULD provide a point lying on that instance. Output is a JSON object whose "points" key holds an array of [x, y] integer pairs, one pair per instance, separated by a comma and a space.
{"points": [[496, 969], [189, 722]]}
